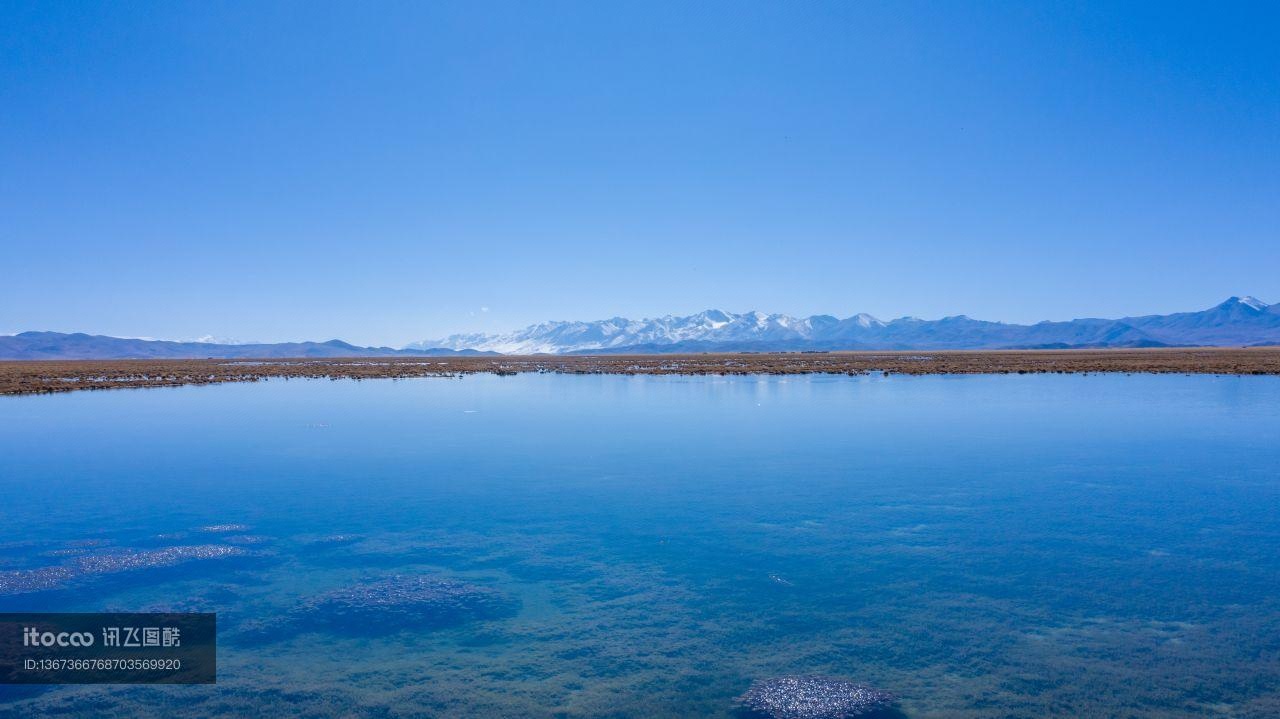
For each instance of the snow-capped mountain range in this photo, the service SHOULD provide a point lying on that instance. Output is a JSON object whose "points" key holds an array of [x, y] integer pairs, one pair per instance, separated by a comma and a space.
{"points": [[1237, 321], [1240, 321]]}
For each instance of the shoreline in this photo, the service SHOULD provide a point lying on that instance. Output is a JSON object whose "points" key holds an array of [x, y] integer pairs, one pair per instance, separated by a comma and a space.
{"points": [[22, 377]]}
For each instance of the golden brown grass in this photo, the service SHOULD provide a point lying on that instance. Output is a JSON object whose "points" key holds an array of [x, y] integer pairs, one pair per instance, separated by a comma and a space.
{"points": [[64, 376]]}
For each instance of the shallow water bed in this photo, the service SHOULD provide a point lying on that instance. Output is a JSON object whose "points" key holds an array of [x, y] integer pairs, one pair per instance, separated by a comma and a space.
{"points": [[548, 545]]}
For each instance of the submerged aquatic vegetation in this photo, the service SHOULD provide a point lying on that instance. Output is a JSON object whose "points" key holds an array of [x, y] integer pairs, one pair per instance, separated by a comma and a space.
{"points": [[1069, 548], [333, 540], [222, 528], [812, 697], [411, 599], [246, 539], [23, 581], [393, 603]]}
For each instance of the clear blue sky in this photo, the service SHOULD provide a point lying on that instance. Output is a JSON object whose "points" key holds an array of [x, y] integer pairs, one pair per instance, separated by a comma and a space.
{"points": [[382, 171]]}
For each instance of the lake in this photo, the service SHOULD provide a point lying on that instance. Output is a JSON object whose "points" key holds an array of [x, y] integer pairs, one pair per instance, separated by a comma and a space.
{"points": [[981, 546]]}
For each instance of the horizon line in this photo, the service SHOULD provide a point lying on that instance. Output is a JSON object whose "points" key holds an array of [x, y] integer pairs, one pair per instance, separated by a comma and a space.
{"points": [[409, 345]]}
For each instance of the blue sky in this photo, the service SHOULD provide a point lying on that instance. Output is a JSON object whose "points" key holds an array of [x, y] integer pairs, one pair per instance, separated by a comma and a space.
{"points": [[381, 172]]}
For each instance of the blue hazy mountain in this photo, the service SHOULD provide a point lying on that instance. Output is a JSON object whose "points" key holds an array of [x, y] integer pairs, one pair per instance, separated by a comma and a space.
{"points": [[59, 345], [1239, 321]]}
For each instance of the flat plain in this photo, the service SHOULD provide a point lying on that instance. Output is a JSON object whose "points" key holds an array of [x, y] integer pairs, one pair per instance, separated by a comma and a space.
{"points": [[41, 377]]}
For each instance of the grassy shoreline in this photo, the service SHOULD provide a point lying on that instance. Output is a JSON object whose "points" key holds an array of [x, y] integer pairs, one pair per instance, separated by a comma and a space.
{"points": [[48, 376]]}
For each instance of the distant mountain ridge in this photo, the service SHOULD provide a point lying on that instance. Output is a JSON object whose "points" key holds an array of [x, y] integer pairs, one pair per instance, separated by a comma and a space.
{"points": [[1239, 321], [63, 346]]}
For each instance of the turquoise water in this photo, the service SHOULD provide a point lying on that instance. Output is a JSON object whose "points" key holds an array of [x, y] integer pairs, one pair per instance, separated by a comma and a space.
{"points": [[981, 546]]}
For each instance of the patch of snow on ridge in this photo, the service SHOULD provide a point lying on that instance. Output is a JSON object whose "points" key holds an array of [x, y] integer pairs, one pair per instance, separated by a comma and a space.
{"points": [[216, 340]]}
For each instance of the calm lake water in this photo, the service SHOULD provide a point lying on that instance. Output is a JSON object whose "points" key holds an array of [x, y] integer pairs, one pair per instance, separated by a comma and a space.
{"points": [[1084, 546]]}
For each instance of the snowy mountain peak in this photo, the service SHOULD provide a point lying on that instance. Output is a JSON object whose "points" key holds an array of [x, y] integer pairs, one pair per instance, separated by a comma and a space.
{"points": [[1239, 320], [865, 320], [714, 318]]}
